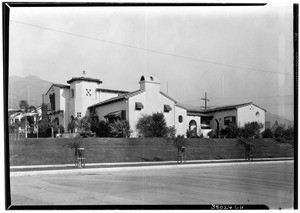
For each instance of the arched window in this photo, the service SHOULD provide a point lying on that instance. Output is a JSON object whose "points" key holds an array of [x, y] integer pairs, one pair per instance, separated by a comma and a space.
{"points": [[257, 114], [180, 119]]}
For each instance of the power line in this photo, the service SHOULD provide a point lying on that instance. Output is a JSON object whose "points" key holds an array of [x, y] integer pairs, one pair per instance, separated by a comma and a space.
{"points": [[149, 50], [256, 97], [240, 98]]}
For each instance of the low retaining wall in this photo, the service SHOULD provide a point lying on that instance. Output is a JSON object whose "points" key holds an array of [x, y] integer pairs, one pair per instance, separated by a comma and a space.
{"points": [[105, 150]]}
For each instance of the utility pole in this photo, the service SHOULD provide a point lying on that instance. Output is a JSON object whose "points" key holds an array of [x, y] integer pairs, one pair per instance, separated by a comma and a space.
{"points": [[205, 100]]}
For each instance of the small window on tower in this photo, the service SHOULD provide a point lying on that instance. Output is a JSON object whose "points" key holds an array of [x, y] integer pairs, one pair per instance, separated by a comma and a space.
{"points": [[72, 93], [79, 114], [88, 92]]}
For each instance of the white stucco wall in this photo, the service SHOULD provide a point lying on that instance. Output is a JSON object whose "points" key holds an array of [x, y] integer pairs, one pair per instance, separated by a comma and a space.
{"points": [[88, 100], [132, 114], [106, 95], [153, 101], [220, 117], [81, 101], [181, 127], [248, 114]]}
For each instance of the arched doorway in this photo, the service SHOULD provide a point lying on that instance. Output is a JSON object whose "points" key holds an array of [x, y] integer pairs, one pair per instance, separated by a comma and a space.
{"points": [[193, 125]]}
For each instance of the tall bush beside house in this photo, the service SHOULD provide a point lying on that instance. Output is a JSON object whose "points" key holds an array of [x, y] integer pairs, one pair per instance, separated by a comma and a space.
{"points": [[120, 129], [231, 131], [84, 127], [103, 129], [251, 130], [154, 126]]}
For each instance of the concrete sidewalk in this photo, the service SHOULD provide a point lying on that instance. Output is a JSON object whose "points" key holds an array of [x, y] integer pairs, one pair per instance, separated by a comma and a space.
{"points": [[92, 167]]}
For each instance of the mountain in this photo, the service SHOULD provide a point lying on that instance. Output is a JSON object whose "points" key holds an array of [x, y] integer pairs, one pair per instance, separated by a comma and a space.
{"points": [[20, 88], [282, 120]]}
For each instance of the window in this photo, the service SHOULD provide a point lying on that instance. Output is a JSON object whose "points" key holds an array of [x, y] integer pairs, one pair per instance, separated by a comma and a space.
{"points": [[180, 119], [88, 92], [72, 93], [79, 114], [52, 101], [257, 114], [139, 106], [229, 120], [167, 108]]}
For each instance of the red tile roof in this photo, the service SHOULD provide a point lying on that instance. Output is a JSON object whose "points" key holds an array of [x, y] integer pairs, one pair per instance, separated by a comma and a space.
{"points": [[229, 107], [84, 79], [118, 98], [111, 90]]}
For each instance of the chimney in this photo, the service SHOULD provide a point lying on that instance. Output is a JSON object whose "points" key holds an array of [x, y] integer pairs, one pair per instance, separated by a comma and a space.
{"points": [[150, 84]]}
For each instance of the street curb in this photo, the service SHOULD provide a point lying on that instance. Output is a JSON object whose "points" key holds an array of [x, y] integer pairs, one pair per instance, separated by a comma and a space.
{"points": [[129, 167], [146, 163]]}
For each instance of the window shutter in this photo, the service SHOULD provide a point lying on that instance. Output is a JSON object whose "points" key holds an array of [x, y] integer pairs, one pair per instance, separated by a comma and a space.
{"points": [[139, 106], [167, 108]]}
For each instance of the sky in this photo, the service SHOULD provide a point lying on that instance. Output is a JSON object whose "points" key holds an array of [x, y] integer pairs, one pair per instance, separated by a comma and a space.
{"points": [[235, 54]]}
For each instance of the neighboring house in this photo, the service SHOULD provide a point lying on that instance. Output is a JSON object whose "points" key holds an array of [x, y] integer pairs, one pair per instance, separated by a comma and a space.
{"points": [[32, 117], [83, 96], [220, 117]]}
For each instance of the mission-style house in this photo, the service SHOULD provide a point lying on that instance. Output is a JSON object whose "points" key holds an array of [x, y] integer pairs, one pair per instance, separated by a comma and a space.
{"points": [[84, 95]]}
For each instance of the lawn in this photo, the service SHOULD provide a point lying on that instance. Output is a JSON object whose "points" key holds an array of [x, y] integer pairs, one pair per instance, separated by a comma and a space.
{"points": [[103, 150]]}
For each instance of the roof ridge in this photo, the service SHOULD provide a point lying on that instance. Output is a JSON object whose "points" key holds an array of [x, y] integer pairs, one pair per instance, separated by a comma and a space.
{"points": [[164, 94], [118, 98]]}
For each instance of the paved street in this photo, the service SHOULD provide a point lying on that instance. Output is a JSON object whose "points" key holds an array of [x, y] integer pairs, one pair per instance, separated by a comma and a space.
{"points": [[260, 183]]}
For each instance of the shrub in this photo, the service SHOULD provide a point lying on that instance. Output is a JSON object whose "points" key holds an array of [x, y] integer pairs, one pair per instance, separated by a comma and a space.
{"points": [[211, 134], [120, 129], [278, 129], [281, 140], [102, 129], [171, 132], [251, 130], [154, 126], [288, 134], [267, 133], [231, 131], [192, 133]]}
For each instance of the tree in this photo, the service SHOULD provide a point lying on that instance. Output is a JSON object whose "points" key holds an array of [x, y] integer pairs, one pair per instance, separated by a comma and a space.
{"points": [[84, 127], [144, 126], [25, 109], [75, 143], [179, 142], [120, 129], [154, 126], [278, 129], [73, 124], [288, 134]]}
